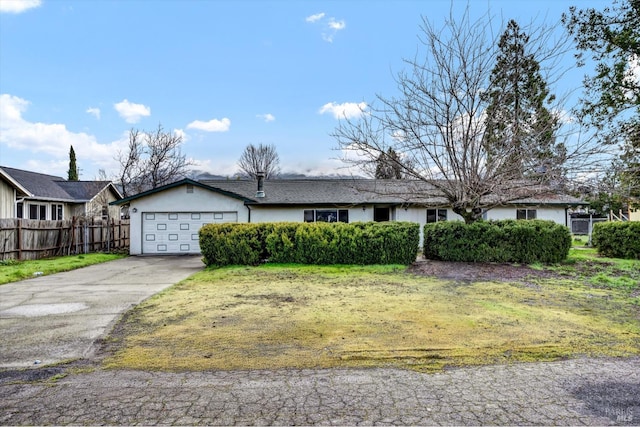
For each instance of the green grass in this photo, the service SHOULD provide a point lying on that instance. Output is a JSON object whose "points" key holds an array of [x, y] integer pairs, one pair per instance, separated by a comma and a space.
{"points": [[586, 265], [13, 271], [293, 316]]}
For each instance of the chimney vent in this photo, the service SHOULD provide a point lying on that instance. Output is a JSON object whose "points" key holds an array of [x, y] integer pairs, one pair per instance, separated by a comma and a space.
{"points": [[260, 192]]}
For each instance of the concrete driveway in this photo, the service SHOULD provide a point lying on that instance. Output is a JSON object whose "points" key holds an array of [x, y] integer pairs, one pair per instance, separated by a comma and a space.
{"points": [[59, 317]]}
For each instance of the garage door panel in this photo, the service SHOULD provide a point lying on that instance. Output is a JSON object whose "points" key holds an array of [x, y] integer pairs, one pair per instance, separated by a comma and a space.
{"points": [[177, 232]]}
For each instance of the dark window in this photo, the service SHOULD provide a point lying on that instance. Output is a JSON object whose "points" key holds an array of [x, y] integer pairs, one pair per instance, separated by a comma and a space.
{"points": [[309, 216], [105, 212], [381, 214], [189, 188], [37, 211], [56, 212], [526, 214], [19, 210], [326, 215], [436, 215]]}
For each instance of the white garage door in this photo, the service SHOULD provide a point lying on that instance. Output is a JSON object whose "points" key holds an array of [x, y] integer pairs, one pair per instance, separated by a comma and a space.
{"points": [[177, 232]]}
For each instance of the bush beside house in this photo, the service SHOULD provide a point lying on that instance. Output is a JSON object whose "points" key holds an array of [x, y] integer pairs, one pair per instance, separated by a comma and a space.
{"points": [[310, 243], [617, 239], [497, 241]]}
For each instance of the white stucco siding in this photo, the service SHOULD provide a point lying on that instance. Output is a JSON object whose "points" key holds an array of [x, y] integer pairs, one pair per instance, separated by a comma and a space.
{"points": [[180, 200], [556, 214], [7, 200], [296, 213]]}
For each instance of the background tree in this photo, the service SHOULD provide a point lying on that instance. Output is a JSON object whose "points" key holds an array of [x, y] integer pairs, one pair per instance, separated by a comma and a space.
{"points": [[262, 158], [611, 101], [151, 160], [612, 36], [520, 134], [73, 167], [438, 122], [388, 165]]}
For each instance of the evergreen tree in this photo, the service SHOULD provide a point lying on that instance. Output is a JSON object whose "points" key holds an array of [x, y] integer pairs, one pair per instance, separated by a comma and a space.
{"points": [[73, 168], [388, 165], [520, 129]]}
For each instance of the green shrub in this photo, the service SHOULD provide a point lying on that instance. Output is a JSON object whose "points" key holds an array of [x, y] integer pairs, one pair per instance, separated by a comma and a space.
{"points": [[497, 241], [228, 244], [617, 239], [310, 243]]}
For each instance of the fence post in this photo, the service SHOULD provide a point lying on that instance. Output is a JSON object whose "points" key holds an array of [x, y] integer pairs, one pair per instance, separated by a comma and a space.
{"points": [[19, 239]]}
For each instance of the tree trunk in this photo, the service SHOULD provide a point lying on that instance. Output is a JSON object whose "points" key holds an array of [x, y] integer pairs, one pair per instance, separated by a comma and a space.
{"points": [[469, 215]]}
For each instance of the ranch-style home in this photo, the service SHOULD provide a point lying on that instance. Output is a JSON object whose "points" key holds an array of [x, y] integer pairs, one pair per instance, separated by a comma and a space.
{"points": [[33, 195], [166, 220]]}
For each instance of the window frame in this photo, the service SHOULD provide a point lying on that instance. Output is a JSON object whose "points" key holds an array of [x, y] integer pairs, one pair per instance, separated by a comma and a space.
{"points": [[340, 215], [439, 214], [526, 213], [40, 211], [57, 211]]}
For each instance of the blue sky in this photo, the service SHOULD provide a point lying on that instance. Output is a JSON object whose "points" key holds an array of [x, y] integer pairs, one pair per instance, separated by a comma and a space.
{"points": [[224, 74]]}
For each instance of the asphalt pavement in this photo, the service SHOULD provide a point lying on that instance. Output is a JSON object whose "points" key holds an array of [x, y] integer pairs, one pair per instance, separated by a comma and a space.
{"points": [[59, 317], [51, 319]]}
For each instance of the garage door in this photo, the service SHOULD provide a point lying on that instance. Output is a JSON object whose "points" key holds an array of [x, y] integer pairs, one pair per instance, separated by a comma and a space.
{"points": [[177, 232]]}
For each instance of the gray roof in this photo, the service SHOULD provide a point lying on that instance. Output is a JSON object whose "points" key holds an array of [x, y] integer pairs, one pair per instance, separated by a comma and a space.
{"points": [[354, 192], [83, 190], [51, 187]]}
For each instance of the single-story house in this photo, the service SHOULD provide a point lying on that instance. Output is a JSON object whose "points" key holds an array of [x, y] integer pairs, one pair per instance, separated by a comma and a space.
{"points": [[166, 220], [33, 195]]}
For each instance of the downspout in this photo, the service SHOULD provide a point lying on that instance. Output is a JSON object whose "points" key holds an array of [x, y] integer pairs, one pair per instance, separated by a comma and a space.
{"points": [[249, 209]]}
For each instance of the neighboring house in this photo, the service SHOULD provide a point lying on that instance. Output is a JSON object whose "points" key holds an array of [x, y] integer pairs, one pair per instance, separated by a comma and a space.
{"points": [[32, 195], [166, 220]]}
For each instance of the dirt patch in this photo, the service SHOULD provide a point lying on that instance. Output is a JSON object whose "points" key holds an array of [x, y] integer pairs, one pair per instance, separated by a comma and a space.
{"points": [[470, 271]]}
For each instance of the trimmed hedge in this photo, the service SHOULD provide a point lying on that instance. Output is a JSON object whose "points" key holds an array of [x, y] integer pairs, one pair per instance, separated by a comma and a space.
{"points": [[617, 239], [497, 241], [310, 243]]}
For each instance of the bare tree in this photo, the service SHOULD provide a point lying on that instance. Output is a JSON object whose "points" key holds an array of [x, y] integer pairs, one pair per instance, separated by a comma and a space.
{"points": [[437, 123], [152, 159], [130, 164], [260, 159]]}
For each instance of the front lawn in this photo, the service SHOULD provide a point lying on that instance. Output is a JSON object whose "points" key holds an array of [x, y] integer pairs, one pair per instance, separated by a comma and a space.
{"points": [[293, 316], [12, 270]]}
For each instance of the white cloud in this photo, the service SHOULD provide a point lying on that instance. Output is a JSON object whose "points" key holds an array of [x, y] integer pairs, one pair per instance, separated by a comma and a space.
{"points": [[182, 134], [130, 112], [213, 125], [266, 117], [330, 26], [18, 6], [314, 18], [336, 25], [53, 140], [347, 110], [94, 112]]}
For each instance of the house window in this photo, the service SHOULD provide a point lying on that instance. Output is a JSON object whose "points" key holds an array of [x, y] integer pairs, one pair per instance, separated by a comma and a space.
{"points": [[326, 215], [189, 188], [38, 212], [56, 212], [105, 212], [436, 215], [526, 214], [19, 210]]}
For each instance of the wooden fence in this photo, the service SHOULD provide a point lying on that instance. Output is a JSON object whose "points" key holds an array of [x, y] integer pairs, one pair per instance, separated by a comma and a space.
{"points": [[25, 239]]}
